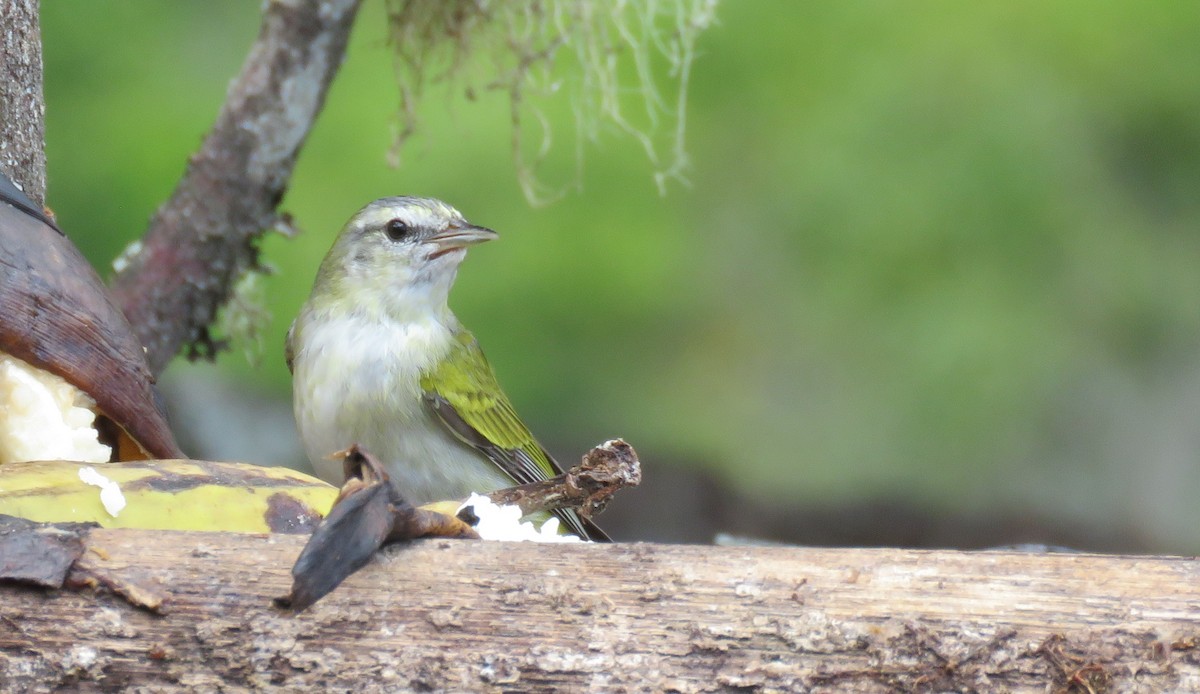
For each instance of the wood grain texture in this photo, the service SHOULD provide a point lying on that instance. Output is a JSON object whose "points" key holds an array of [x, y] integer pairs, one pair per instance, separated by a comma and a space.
{"points": [[462, 615]]}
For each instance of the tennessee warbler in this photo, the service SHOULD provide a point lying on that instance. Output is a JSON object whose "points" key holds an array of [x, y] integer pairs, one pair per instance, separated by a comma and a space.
{"points": [[378, 359]]}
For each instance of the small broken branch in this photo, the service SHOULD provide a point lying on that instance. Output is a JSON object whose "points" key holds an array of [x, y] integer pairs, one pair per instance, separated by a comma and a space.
{"points": [[587, 487], [203, 238]]}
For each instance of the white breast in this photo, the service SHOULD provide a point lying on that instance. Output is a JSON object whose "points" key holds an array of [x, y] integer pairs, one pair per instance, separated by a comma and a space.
{"points": [[365, 389]]}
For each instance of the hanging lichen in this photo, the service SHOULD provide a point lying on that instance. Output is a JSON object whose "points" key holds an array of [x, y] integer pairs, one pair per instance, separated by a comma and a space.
{"points": [[616, 50]]}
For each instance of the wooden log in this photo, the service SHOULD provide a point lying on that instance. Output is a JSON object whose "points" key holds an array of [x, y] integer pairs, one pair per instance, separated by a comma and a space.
{"points": [[480, 616]]}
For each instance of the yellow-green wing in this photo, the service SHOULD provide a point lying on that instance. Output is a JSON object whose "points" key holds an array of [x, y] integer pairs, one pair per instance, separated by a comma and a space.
{"points": [[464, 393], [464, 381]]}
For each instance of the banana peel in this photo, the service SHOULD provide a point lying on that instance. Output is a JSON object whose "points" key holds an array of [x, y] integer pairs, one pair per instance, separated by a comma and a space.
{"points": [[168, 495], [174, 495], [59, 318], [240, 497]]}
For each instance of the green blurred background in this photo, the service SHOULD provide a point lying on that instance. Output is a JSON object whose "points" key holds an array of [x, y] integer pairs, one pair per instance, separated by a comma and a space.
{"points": [[935, 280]]}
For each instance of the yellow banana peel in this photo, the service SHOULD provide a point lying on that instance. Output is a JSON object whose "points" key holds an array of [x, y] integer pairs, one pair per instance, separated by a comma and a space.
{"points": [[166, 495]]}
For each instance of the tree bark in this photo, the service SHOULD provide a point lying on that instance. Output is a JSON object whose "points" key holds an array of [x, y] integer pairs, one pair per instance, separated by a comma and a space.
{"points": [[466, 615], [203, 238], [22, 110]]}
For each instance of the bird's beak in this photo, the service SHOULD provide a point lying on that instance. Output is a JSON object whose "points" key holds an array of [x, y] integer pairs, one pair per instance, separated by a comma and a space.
{"points": [[461, 236]]}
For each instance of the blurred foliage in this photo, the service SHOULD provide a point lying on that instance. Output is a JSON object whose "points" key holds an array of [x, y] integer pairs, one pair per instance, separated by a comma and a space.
{"points": [[942, 251]]}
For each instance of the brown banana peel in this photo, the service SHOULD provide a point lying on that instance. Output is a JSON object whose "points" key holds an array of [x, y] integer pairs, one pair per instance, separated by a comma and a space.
{"points": [[57, 315]]}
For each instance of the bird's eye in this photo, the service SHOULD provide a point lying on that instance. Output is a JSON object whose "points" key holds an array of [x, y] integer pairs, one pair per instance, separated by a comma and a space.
{"points": [[397, 230]]}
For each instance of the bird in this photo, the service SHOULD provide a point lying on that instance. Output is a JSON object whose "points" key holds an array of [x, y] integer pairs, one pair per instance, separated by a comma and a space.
{"points": [[378, 359]]}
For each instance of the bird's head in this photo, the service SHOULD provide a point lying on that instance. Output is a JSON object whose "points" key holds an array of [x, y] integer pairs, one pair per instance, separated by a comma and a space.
{"points": [[399, 255]]}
